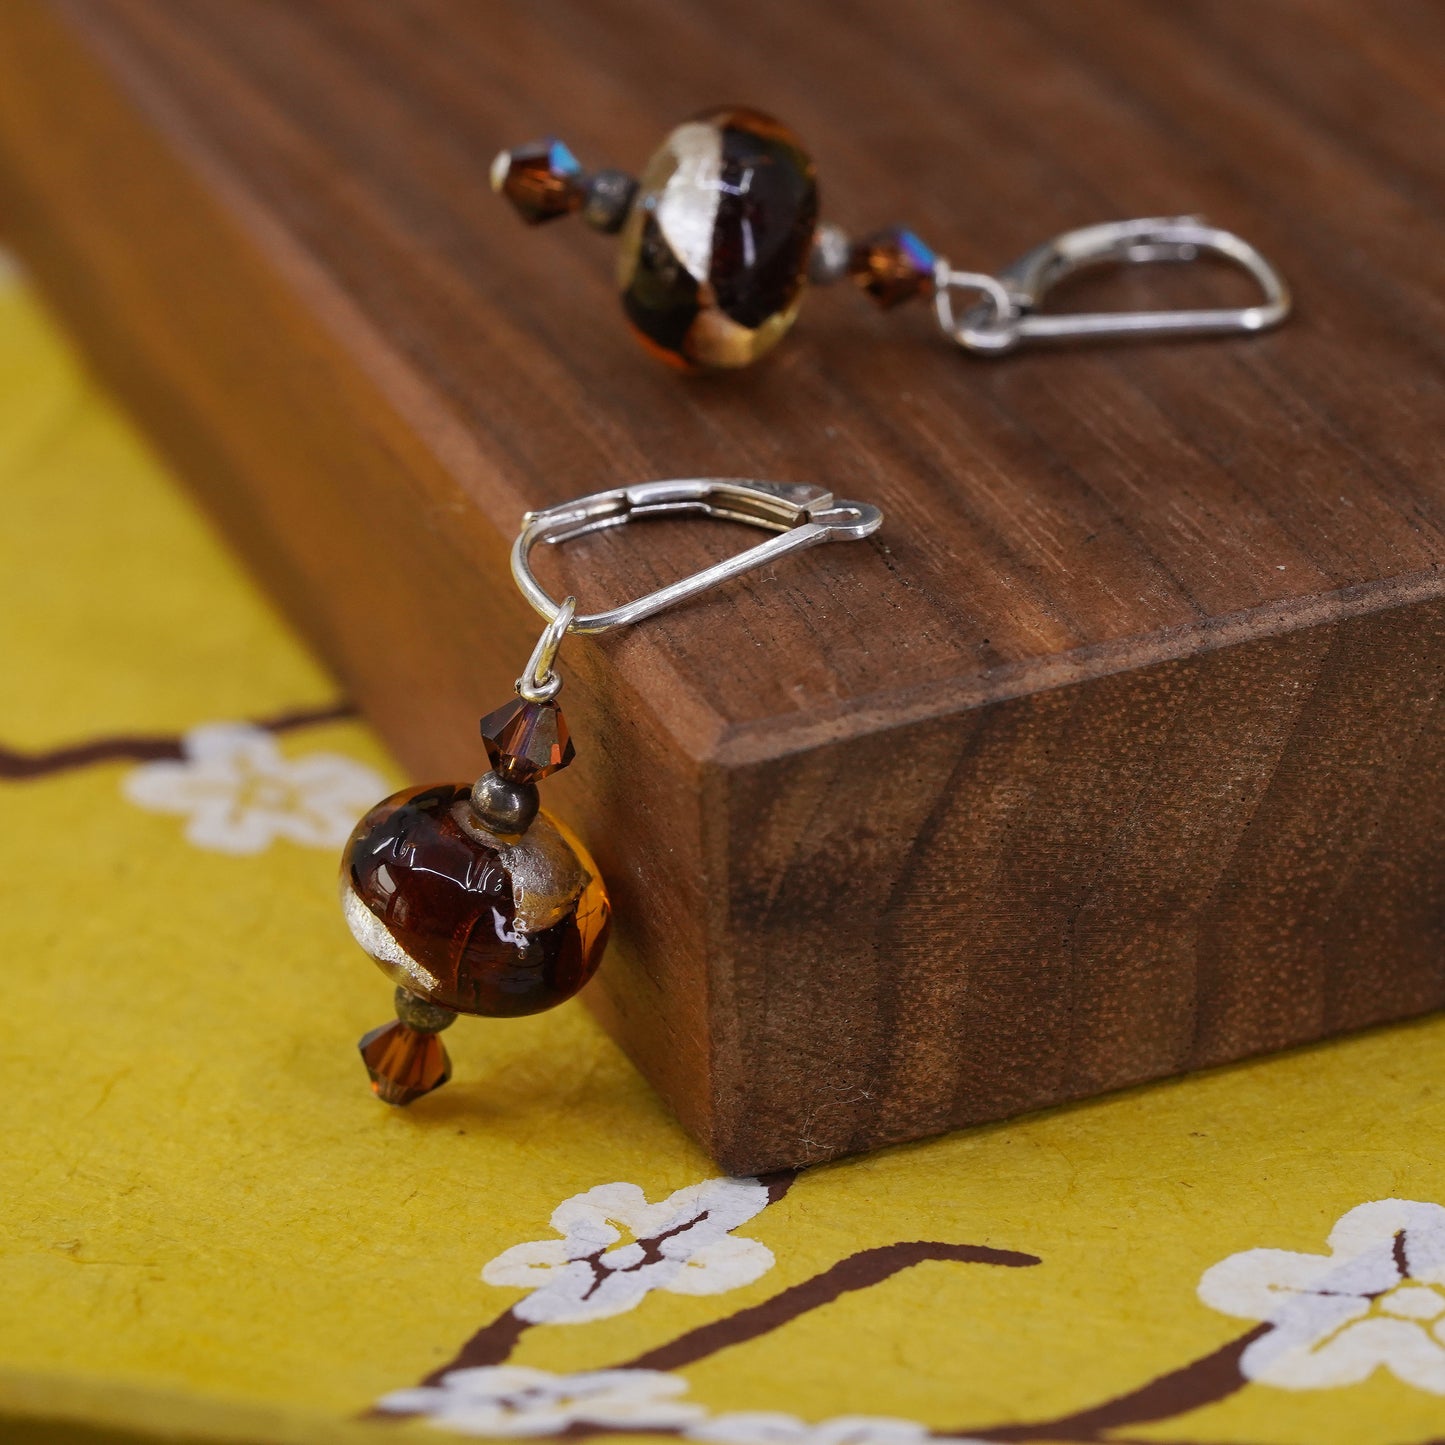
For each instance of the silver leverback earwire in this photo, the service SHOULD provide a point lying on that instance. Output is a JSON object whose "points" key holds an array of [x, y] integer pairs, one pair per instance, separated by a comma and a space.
{"points": [[538, 682], [802, 515], [1007, 316]]}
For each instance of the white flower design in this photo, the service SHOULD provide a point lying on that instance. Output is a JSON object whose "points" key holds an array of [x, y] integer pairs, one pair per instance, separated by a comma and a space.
{"points": [[765, 1428], [1376, 1300], [240, 792], [513, 1400], [684, 1245]]}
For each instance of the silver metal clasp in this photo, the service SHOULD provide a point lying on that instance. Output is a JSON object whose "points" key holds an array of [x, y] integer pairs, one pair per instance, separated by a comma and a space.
{"points": [[802, 516], [1008, 315]]}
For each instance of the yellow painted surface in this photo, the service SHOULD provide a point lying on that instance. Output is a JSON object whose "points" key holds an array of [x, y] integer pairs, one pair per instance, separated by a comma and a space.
{"points": [[212, 1230]]}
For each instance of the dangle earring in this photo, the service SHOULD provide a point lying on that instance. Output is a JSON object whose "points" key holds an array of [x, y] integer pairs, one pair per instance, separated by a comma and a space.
{"points": [[720, 238], [466, 896]]}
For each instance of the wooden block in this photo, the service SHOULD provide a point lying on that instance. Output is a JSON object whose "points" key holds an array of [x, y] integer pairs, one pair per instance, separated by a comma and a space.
{"points": [[1117, 753]]}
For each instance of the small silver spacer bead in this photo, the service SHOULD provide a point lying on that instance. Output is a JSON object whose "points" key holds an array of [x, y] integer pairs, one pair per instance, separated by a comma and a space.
{"points": [[829, 260], [504, 808], [608, 200], [416, 1013]]}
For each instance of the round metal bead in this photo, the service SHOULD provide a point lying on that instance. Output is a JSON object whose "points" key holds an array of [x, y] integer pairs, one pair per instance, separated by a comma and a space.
{"points": [[504, 808], [608, 199], [831, 251], [416, 1013]]}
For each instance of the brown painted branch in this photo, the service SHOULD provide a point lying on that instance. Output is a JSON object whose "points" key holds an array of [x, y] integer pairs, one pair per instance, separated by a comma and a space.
{"points": [[859, 1271], [138, 749], [778, 1183], [1204, 1381], [491, 1345]]}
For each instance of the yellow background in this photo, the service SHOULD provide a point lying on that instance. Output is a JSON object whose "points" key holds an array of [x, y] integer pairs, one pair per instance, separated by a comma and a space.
{"points": [[211, 1228]]}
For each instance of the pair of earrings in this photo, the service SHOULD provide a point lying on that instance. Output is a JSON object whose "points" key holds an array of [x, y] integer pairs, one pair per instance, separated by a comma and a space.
{"points": [[720, 239], [469, 898]]}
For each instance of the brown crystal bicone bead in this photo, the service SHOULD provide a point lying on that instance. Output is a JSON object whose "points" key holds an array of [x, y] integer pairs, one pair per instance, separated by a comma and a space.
{"points": [[527, 741], [542, 180], [893, 266], [404, 1063], [466, 919], [715, 248]]}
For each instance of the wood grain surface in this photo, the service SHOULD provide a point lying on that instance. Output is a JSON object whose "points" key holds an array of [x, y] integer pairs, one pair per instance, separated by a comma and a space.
{"points": [[1114, 754]]}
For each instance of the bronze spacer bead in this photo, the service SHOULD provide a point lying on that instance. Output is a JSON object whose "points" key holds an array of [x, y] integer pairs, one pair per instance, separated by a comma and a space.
{"points": [[417, 1013], [502, 806]]}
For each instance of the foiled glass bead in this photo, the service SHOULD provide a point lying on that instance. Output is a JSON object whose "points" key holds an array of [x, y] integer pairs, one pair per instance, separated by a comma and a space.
{"points": [[463, 918], [715, 249]]}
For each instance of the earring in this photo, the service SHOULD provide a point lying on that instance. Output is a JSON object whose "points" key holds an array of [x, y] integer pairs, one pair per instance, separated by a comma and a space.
{"points": [[720, 238], [470, 899]]}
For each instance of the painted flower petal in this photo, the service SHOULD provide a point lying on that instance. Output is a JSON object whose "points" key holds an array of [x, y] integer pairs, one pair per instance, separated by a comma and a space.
{"points": [[631, 1397], [641, 1415], [421, 1400], [528, 1422], [1258, 1284], [314, 827], [1423, 1237], [171, 787], [220, 827], [1379, 1221], [867, 1430], [750, 1427], [588, 1215], [727, 1263], [643, 1384], [625, 1256], [1414, 1302], [333, 775], [526, 1266], [1310, 1321], [496, 1382], [766, 1428], [1349, 1356], [233, 745], [714, 1207], [575, 1294]]}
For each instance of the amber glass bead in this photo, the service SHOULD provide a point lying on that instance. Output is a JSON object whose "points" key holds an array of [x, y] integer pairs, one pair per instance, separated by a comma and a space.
{"points": [[527, 741], [893, 266], [466, 919], [542, 180], [715, 248], [404, 1063]]}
